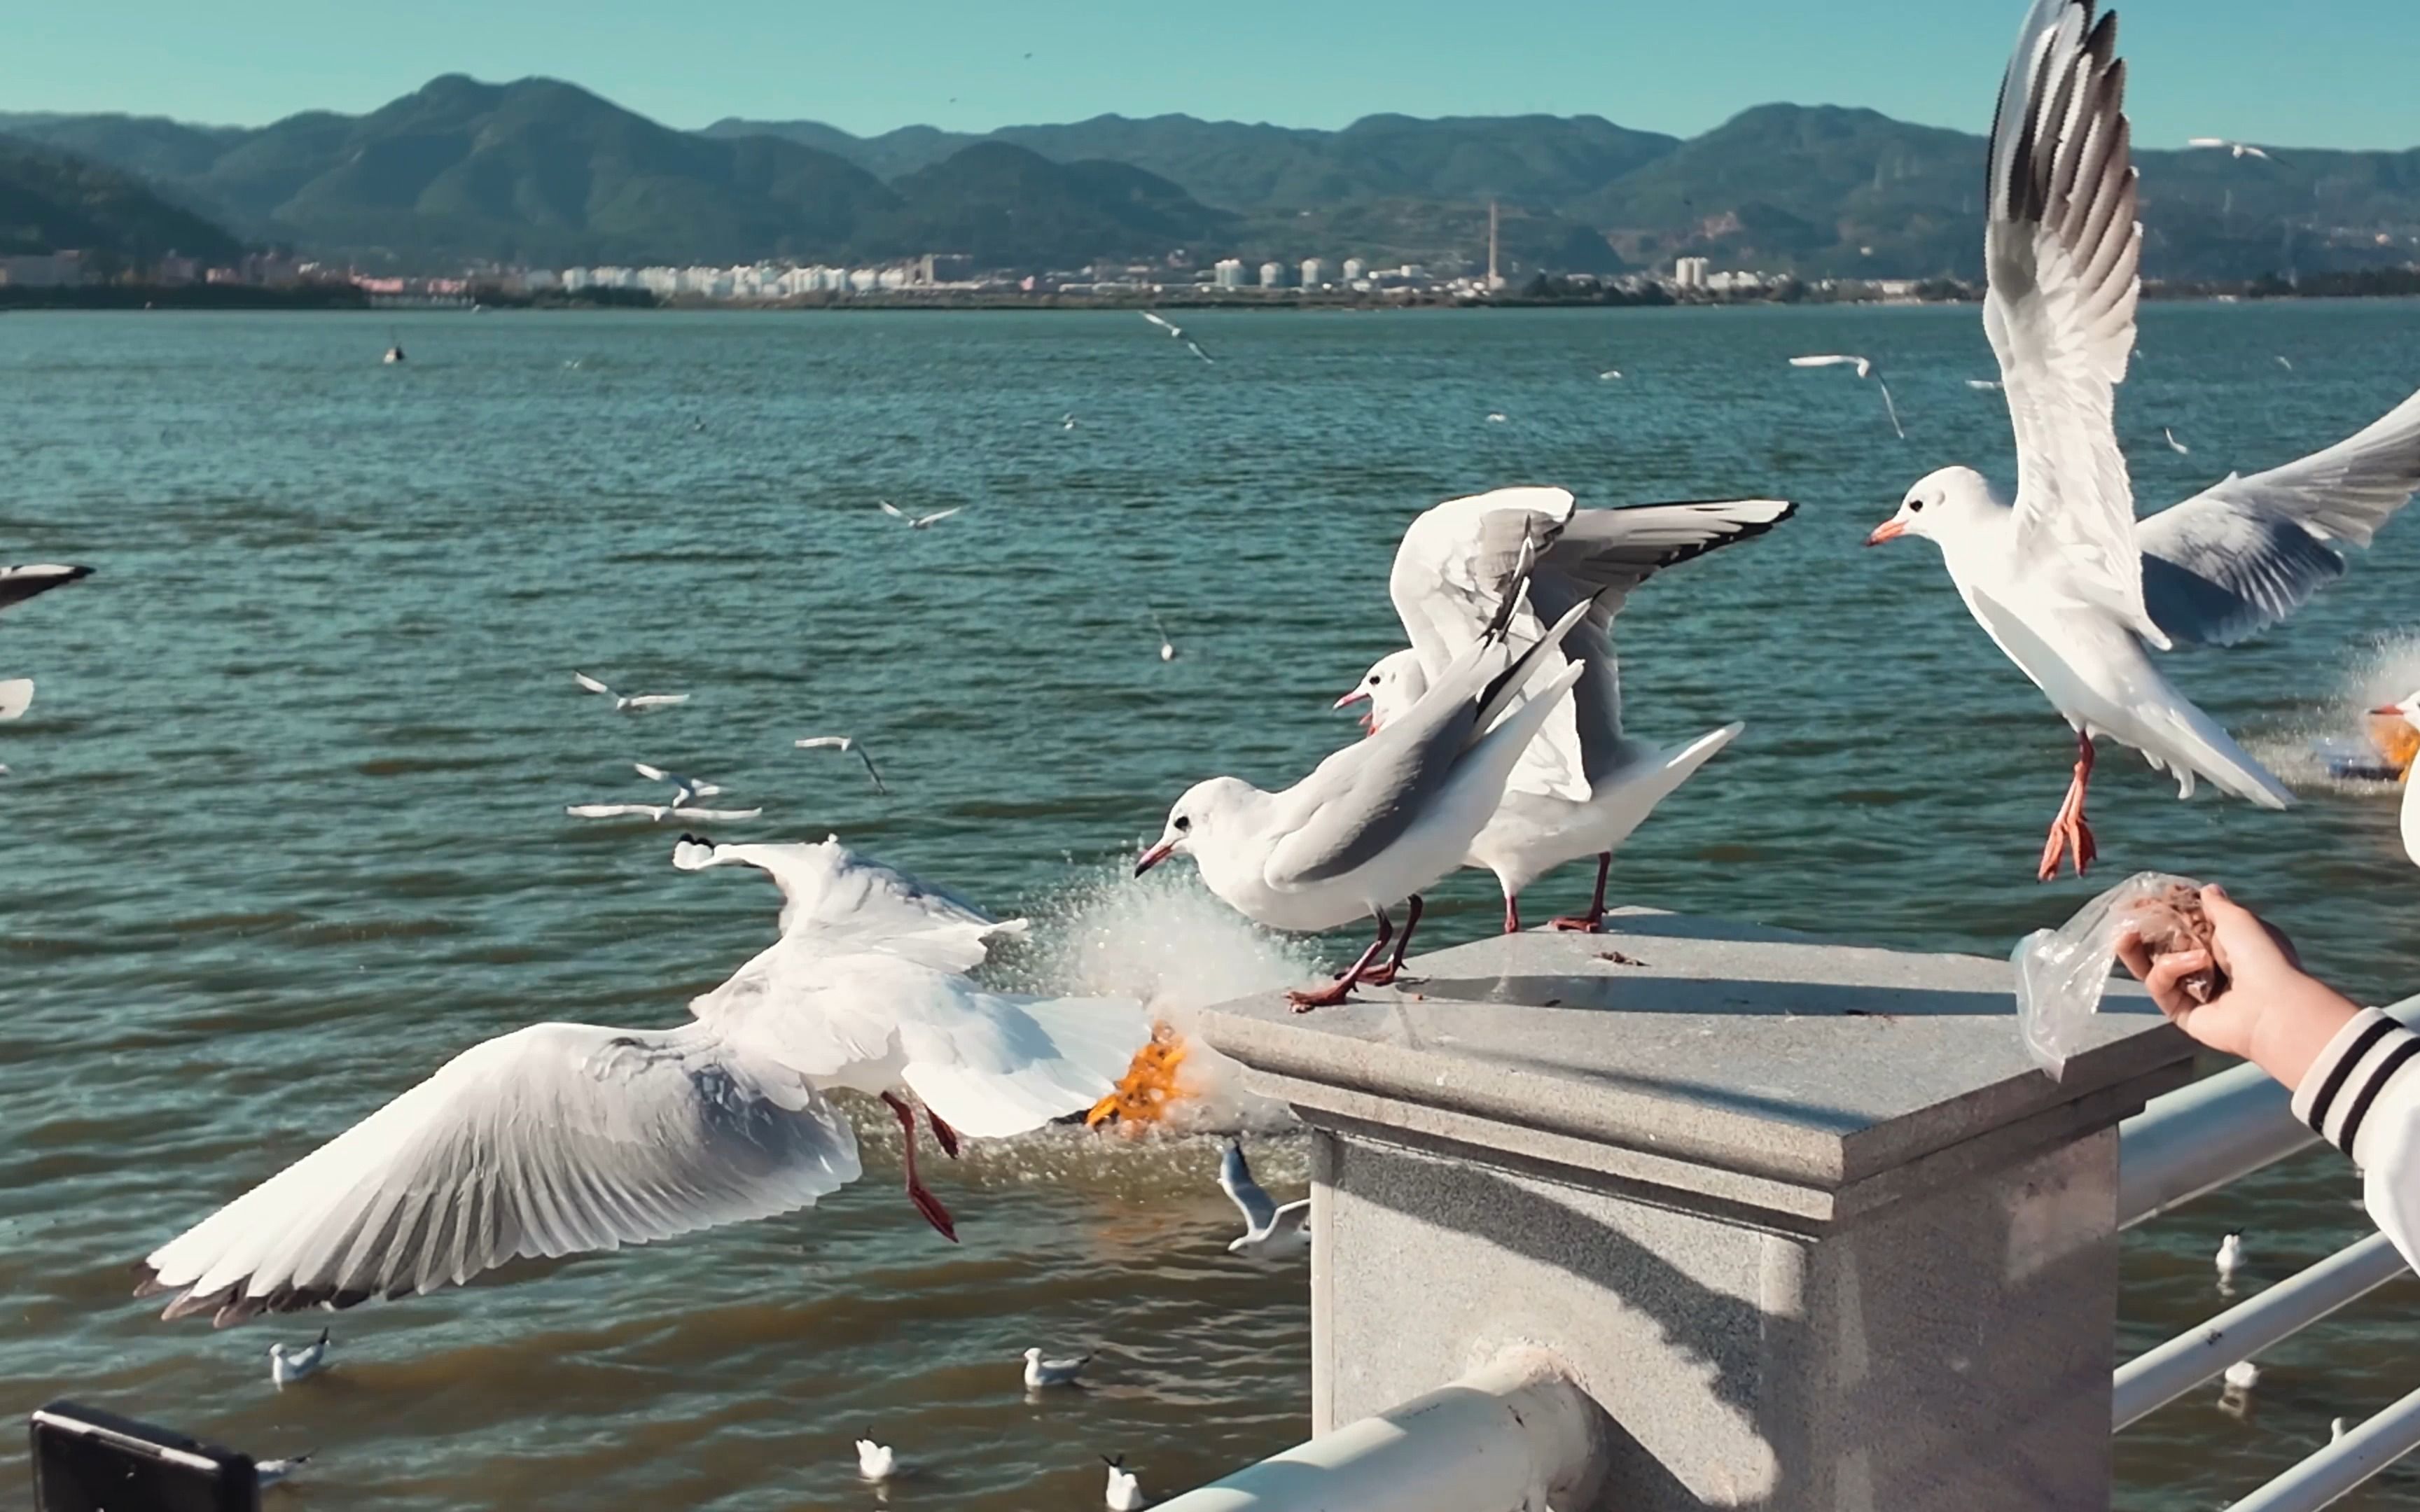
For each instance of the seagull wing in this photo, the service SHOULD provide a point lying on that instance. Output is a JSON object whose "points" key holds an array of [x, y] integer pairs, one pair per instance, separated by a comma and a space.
{"points": [[1291, 1217], [714, 816], [19, 583], [615, 811], [2247, 552], [1890, 408], [1235, 1179], [872, 772], [1458, 560], [2062, 251], [939, 514], [555, 1139], [890, 509], [656, 701], [16, 696], [1155, 318], [656, 774], [1825, 359], [591, 683], [838, 897], [1195, 347]]}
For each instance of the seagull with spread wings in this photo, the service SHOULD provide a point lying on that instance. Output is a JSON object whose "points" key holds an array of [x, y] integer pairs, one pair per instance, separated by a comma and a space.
{"points": [[1865, 369], [917, 523], [847, 745]]}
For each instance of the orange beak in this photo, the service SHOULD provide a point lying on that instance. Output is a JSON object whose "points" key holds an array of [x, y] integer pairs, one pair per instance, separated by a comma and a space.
{"points": [[1889, 530], [2388, 709], [1153, 856]]}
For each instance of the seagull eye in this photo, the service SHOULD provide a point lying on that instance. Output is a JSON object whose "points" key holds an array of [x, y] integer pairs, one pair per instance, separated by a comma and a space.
{"points": [[1916, 506], [1183, 823]]}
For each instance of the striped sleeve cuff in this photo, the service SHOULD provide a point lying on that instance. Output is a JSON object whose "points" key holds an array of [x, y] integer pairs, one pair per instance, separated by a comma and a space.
{"points": [[2348, 1078]]}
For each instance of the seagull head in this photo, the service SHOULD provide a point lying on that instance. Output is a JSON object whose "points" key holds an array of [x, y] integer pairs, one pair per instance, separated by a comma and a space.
{"points": [[1033, 1357], [1195, 817], [1392, 685], [1939, 505]]}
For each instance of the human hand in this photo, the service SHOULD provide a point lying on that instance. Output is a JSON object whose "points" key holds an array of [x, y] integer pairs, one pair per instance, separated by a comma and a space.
{"points": [[2271, 1012]]}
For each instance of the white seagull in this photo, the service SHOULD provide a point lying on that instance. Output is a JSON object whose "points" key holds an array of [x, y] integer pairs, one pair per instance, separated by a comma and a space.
{"points": [[2230, 1254], [685, 789], [2174, 445], [1167, 647], [917, 523], [16, 696], [2232, 149], [2068, 583], [1040, 1372], [1608, 375], [658, 812], [19, 583], [1865, 366], [1125, 1493], [287, 1366], [1269, 1231], [1379, 822], [874, 1461], [848, 744], [2242, 1376], [1583, 785], [2410, 817], [1984, 385], [267, 1472], [1177, 334], [636, 700], [563, 1138]]}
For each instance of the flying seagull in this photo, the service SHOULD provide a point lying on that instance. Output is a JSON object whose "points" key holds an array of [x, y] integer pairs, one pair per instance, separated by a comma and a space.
{"points": [[2232, 149], [638, 701], [2174, 445], [19, 583], [568, 1138], [847, 743], [685, 789], [1176, 333], [1865, 366], [658, 812], [1269, 1230], [917, 523], [2066, 580]]}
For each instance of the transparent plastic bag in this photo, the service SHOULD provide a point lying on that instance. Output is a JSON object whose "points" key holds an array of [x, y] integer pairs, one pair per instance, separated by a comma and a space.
{"points": [[2061, 973]]}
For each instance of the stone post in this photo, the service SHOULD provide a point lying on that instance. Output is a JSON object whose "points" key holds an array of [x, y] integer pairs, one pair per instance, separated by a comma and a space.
{"points": [[1801, 1218]]}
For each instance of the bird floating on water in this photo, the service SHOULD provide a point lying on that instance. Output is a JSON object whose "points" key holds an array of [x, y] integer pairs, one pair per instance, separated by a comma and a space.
{"points": [[1498, 417], [917, 523], [1608, 375], [2230, 1254], [874, 1461], [1865, 369], [1040, 1372], [635, 700], [848, 744], [289, 1365], [2242, 1376], [1269, 1231], [267, 1472], [1124, 1492]]}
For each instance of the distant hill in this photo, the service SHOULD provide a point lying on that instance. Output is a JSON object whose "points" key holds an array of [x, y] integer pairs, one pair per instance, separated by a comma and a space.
{"points": [[542, 171], [51, 201]]}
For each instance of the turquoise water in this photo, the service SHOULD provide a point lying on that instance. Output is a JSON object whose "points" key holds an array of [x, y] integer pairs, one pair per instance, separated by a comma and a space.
{"points": [[286, 826]]}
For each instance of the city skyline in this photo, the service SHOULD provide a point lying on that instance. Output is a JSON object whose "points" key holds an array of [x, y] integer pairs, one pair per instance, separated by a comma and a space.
{"points": [[2331, 78]]}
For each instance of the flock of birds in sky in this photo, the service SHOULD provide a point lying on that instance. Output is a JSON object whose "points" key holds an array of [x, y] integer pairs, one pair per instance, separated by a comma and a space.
{"points": [[1495, 739]]}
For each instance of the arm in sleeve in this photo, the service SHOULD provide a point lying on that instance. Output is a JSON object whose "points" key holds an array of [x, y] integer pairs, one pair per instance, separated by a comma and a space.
{"points": [[2363, 1096]]}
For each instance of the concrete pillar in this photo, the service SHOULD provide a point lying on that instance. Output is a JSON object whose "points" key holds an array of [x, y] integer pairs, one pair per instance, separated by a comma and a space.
{"points": [[1800, 1217]]}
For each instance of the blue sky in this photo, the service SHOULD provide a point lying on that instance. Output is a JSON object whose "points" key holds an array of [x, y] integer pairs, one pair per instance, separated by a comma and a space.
{"points": [[2328, 73]]}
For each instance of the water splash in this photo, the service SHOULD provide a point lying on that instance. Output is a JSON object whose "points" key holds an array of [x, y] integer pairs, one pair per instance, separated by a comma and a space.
{"points": [[2298, 751]]}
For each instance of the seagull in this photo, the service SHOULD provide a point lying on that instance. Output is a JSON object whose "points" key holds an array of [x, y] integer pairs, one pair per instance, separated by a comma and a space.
{"points": [[1269, 1231], [658, 812], [1067, 421], [1377, 822], [1498, 417], [2232, 149], [2336, 1427], [1984, 385], [845, 743], [1167, 647], [917, 523], [684, 788], [1040, 1372], [2174, 445], [1865, 366], [1583, 785], [2410, 823], [19, 583], [636, 700], [1124, 1492], [565, 1139], [267, 1472], [1176, 333], [2068, 583], [2242, 1376], [2230, 1254], [289, 1366], [2285, 363], [874, 1461], [1608, 375], [16, 696]]}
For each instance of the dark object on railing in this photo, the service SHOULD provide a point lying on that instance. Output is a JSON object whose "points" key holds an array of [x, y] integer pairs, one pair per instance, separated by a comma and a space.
{"points": [[88, 1461]]}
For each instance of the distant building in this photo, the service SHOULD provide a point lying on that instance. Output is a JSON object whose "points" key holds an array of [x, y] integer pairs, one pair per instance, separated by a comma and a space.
{"points": [[1230, 273], [1272, 275], [1690, 273], [51, 269], [1314, 273], [1355, 270]]}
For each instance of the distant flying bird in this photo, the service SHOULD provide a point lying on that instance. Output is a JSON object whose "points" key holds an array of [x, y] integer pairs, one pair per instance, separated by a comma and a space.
{"points": [[2232, 149], [1124, 1492], [684, 788], [17, 584], [845, 743], [1498, 417], [2174, 445], [874, 1461], [1067, 421], [1176, 333], [287, 1366], [1167, 646], [267, 1472], [917, 523], [1865, 366], [1268, 1229], [1608, 374], [1040, 1372], [2285, 363], [636, 700]]}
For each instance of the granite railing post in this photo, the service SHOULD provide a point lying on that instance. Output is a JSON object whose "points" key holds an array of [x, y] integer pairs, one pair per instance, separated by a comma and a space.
{"points": [[1799, 1218]]}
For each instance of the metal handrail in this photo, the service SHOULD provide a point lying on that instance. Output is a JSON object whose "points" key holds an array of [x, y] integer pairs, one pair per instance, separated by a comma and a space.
{"points": [[2343, 1465], [2158, 1377]]}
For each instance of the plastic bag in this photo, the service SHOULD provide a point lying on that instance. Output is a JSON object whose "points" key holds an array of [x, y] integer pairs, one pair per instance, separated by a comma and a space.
{"points": [[2061, 973]]}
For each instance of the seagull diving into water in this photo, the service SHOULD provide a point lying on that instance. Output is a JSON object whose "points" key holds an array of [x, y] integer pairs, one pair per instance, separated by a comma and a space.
{"points": [[1176, 333], [1269, 1231], [849, 743], [2067, 583], [917, 523], [564, 1139], [1865, 366], [636, 700], [1583, 785], [1380, 822], [287, 1366]]}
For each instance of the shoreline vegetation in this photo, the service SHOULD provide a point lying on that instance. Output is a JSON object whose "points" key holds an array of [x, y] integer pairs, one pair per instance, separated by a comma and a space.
{"points": [[1539, 293]]}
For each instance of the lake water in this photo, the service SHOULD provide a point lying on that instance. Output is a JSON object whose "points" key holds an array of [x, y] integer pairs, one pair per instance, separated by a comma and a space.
{"points": [[286, 828]]}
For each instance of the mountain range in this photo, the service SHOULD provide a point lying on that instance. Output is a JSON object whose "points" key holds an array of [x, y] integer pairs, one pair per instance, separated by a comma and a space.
{"points": [[543, 173]]}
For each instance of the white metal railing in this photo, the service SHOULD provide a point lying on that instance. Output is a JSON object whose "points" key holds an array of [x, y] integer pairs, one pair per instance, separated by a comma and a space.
{"points": [[2196, 1140], [1504, 1438]]}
